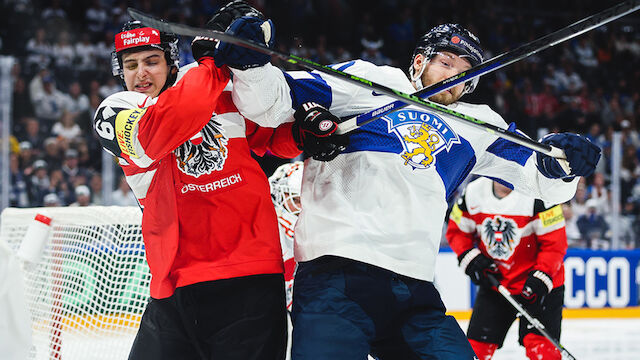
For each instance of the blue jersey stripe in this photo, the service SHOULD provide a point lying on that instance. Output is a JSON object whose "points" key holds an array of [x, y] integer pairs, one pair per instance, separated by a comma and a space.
{"points": [[511, 151], [500, 181], [374, 136], [344, 66], [305, 90], [454, 166]]}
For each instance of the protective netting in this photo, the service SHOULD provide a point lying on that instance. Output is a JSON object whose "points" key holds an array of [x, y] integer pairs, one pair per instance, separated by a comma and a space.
{"points": [[87, 293]]}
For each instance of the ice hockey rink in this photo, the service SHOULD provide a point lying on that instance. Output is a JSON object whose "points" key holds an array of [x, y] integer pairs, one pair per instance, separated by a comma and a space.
{"points": [[586, 339]]}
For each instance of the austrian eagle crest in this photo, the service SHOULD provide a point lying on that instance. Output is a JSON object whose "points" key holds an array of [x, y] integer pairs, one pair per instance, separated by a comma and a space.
{"points": [[500, 236], [205, 152]]}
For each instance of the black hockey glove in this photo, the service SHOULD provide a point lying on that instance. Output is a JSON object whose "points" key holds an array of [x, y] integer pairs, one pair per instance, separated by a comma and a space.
{"points": [[220, 21], [582, 156], [478, 267], [535, 288], [313, 131]]}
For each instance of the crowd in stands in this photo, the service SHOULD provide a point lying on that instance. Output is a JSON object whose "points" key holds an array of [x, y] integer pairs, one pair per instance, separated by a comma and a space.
{"points": [[588, 85]]}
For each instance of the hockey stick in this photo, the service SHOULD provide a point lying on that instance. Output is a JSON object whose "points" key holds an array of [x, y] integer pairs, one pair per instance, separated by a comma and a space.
{"points": [[533, 321], [405, 98], [499, 61]]}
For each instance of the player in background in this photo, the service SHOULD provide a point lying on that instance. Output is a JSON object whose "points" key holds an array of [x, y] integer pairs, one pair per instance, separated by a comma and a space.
{"points": [[209, 228], [286, 183], [522, 242], [368, 234]]}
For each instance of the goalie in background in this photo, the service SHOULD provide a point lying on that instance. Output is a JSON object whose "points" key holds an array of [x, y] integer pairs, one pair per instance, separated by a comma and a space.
{"points": [[286, 183], [522, 242]]}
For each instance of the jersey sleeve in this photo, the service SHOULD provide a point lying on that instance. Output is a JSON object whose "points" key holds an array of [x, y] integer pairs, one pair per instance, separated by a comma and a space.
{"points": [[143, 130], [515, 166], [549, 227], [461, 228], [278, 141], [269, 96]]}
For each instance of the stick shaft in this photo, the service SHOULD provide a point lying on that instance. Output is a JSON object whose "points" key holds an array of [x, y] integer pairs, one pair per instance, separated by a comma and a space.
{"points": [[405, 98], [500, 61], [533, 321]]}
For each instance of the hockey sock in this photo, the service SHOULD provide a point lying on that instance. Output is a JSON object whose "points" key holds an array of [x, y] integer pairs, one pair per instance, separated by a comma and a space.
{"points": [[483, 350], [539, 348]]}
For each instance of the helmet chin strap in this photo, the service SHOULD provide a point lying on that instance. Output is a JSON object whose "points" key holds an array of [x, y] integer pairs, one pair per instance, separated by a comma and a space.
{"points": [[417, 77]]}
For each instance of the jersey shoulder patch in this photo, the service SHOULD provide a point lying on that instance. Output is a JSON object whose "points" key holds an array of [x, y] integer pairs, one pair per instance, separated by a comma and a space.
{"points": [[456, 214], [551, 216], [116, 118]]}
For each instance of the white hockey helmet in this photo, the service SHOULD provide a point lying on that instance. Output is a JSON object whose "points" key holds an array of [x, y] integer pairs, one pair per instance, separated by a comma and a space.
{"points": [[286, 183]]}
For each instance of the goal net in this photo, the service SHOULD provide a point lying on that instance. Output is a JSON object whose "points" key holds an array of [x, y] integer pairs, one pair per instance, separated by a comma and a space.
{"points": [[88, 289]]}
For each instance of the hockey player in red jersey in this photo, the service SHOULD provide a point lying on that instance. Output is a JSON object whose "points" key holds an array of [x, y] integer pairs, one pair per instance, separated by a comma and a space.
{"points": [[521, 241], [209, 227]]}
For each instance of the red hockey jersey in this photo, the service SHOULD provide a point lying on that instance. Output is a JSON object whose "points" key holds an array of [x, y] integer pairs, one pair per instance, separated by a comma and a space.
{"points": [[207, 210], [518, 232]]}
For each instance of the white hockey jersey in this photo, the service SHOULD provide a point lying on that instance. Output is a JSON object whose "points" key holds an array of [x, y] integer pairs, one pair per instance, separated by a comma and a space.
{"points": [[383, 201]]}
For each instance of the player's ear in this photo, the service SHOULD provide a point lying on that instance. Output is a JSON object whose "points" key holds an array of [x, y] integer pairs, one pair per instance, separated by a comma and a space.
{"points": [[418, 62]]}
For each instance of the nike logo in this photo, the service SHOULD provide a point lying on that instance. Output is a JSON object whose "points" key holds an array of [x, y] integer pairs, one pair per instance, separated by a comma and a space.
{"points": [[376, 94], [143, 103], [529, 326]]}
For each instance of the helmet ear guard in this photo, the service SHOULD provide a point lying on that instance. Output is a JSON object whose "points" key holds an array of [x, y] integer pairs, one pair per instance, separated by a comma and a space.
{"points": [[448, 37]]}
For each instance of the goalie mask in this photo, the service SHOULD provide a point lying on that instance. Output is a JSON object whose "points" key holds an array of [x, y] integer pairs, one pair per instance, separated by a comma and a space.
{"points": [[453, 38], [286, 183], [136, 37]]}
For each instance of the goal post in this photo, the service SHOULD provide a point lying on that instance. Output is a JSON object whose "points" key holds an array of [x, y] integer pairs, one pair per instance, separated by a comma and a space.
{"points": [[88, 288]]}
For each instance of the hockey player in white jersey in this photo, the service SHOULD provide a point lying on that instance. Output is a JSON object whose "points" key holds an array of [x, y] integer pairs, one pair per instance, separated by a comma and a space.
{"points": [[285, 183], [369, 231]]}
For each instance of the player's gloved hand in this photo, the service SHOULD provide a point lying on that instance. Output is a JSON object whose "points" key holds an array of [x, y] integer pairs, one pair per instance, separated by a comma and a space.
{"points": [[478, 267], [202, 47], [582, 156], [313, 130], [251, 28], [535, 288], [220, 21]]}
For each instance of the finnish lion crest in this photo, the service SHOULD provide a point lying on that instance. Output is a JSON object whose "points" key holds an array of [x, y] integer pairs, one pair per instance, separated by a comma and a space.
{"points": [[423, 136], [500, 236], [205, 152]]}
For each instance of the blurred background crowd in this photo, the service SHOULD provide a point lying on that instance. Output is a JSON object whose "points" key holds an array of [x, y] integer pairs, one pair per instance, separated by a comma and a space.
{"points": [[589, 85]]}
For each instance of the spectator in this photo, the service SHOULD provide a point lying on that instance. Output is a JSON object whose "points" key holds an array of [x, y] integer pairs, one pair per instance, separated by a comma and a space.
{"points": [[599, 192], [593, 227], [51, 200], [77, 102], [111, 87], [39, 184], [85, 55], [95, 184], [70, 168], [584, 52], [25, 156], [66, 128], [63, 57], [39, 51], [123, 196], [49, 104], [32, 132], [52, 153], [83, 196], [18, 196], [96, 17], [571, 226]]}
